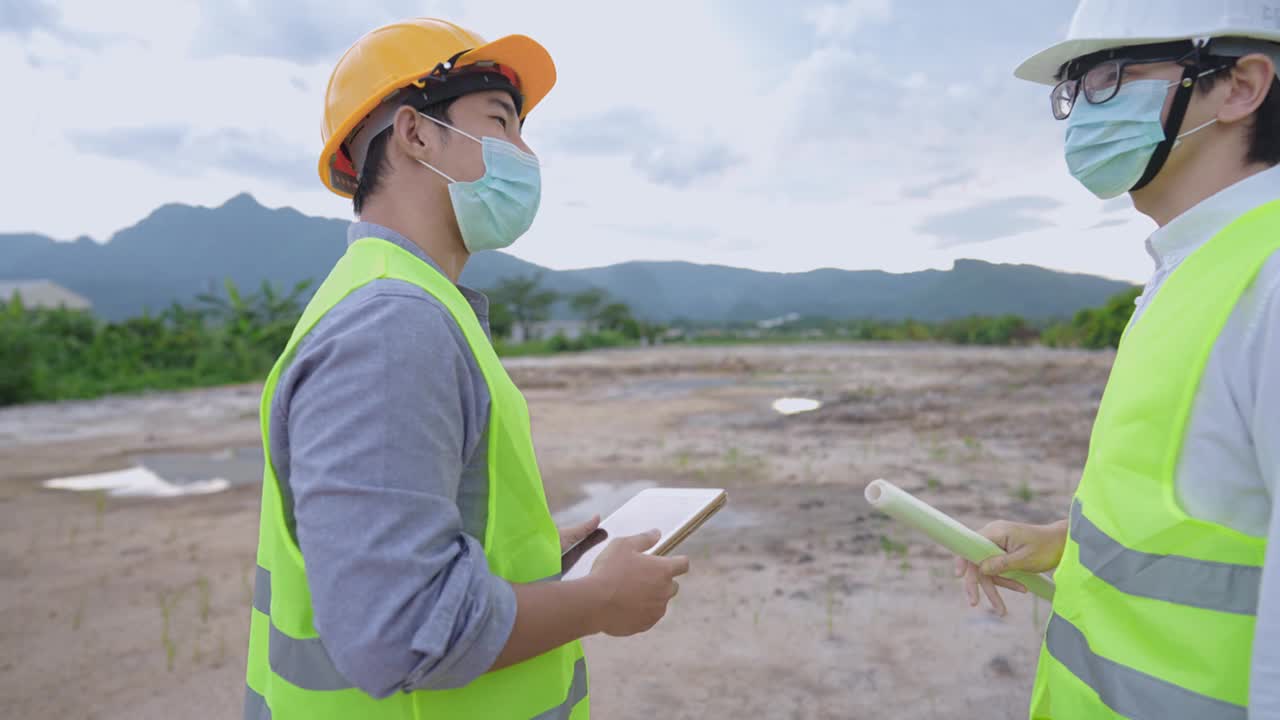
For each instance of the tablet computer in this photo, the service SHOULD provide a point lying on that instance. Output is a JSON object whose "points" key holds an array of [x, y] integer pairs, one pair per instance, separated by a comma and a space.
{"points": [[675, 512]]}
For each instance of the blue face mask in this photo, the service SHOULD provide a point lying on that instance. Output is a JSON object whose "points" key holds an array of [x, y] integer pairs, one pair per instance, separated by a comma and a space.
{"points": [[1108, 146], [498, 208]]}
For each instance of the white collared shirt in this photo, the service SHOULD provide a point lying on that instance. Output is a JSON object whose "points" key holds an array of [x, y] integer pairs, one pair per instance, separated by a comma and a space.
{"points": [[1230, 462]]}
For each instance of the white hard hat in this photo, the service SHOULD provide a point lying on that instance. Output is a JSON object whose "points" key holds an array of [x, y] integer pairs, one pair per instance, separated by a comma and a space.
{"points": [[1108, 24]]}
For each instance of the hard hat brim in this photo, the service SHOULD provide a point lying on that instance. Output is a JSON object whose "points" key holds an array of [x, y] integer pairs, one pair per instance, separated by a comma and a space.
{"points": [[1043, 66], [531, 62]]}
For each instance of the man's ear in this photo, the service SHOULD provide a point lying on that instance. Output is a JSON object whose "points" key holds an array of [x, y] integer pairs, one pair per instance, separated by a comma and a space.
{"points": [[1250, 80], [414, 135]]}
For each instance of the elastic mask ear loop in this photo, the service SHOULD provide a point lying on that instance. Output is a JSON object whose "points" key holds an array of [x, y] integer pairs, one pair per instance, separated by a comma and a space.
{"points": [[436, 170], [446, 125], [1193, 131]]}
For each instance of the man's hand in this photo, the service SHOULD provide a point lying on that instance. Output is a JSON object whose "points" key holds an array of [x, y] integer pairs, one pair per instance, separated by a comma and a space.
{"points": [[571, 535], [634, 588], [626, 593], [1028, 548]]}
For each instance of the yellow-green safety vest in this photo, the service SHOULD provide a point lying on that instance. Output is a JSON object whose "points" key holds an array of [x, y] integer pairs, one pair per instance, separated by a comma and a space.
{"points": [[1153, 617], [290, 674]]}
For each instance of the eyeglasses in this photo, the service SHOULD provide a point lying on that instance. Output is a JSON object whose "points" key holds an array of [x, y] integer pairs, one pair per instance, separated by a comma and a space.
{"points": [[1102, 82]]}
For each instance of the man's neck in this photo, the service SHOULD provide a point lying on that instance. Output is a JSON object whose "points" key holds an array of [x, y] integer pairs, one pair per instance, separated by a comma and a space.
{"points": [[423, 226], [1170, 195]]}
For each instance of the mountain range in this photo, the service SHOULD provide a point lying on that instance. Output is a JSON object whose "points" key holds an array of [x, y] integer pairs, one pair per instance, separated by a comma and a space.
{"points": [[179, 251]]}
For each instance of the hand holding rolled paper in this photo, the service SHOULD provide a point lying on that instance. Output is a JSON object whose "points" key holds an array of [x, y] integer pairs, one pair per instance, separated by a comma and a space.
{"points": [[947, 531]]}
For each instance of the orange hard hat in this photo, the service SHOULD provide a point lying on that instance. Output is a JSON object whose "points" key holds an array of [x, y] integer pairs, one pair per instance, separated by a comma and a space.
{"points": [[405, 53]]}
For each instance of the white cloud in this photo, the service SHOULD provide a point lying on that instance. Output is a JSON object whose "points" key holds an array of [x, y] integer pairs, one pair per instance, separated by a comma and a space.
{"points": [[989, 220], [304, 31], [681, 165], [660, 153], [663, 140], [184, 152], [841, 19]]}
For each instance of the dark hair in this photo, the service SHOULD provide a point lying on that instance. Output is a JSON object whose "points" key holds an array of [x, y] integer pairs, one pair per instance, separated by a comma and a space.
{"points": [[1264, 135], [375, 158]]}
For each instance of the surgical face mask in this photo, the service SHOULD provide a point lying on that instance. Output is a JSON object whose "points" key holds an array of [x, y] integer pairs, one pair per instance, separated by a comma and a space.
{"points": [[498, 208], [1108, 146]]}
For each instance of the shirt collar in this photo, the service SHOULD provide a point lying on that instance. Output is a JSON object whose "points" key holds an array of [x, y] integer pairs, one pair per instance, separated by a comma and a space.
{"points": [[1174, 242], [361, 229]]}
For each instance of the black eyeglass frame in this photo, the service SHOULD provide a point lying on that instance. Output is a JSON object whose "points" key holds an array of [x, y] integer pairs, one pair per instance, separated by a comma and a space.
{"points": [[1186, 54]]}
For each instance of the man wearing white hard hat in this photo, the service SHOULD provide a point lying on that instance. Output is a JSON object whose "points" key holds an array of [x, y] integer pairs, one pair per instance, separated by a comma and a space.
{"points": [[1168, 603]]}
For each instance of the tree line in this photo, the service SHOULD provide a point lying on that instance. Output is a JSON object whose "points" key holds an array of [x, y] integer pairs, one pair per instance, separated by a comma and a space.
{"points": [[57, 354], [236, 336], [522, 305]]}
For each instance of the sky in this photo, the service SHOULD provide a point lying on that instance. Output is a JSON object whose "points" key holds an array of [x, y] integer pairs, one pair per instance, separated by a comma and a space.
{"points": [[858, 134]]}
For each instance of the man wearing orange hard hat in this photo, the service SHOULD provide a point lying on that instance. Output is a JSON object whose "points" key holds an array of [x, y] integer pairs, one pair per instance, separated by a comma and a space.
{"points": [[407, 561]]}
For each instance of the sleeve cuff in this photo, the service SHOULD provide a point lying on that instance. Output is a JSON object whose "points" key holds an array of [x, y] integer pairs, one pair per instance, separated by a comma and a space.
{"points": [[473, 652]]}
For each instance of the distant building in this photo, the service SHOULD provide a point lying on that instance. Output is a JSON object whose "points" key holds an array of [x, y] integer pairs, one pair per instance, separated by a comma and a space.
{"points": [[43, 294], [570, 329], [775, 323]]}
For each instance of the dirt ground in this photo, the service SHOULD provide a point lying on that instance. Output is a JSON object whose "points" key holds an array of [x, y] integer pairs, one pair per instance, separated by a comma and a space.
{"points": [[802, 603]]}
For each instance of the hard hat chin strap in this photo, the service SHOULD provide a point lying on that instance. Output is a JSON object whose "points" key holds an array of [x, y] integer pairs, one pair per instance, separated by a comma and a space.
{"points": [[1172, 126]]}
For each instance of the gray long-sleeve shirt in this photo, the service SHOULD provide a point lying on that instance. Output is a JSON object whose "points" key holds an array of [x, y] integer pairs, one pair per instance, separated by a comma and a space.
{"points": [[377, 429]]}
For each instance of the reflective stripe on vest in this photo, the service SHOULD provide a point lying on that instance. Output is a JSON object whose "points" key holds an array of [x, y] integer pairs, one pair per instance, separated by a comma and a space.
{"points": [[305, 663], [1131, 693], [255, 706], [1186, 581], [302, 661], [577, 693]]}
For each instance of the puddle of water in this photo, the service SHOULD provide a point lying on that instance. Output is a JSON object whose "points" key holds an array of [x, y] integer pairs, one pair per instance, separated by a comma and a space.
{"points": [[162, 475], [731, 519], [136, 482], [238, 466], [793, 406]]}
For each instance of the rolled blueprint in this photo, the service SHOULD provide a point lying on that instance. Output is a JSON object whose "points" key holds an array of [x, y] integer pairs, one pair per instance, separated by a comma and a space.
{"points": [[947, 531]]}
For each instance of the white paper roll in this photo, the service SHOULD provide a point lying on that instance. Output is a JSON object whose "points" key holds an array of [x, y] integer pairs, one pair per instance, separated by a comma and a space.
{"points": [[946, 531]]}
